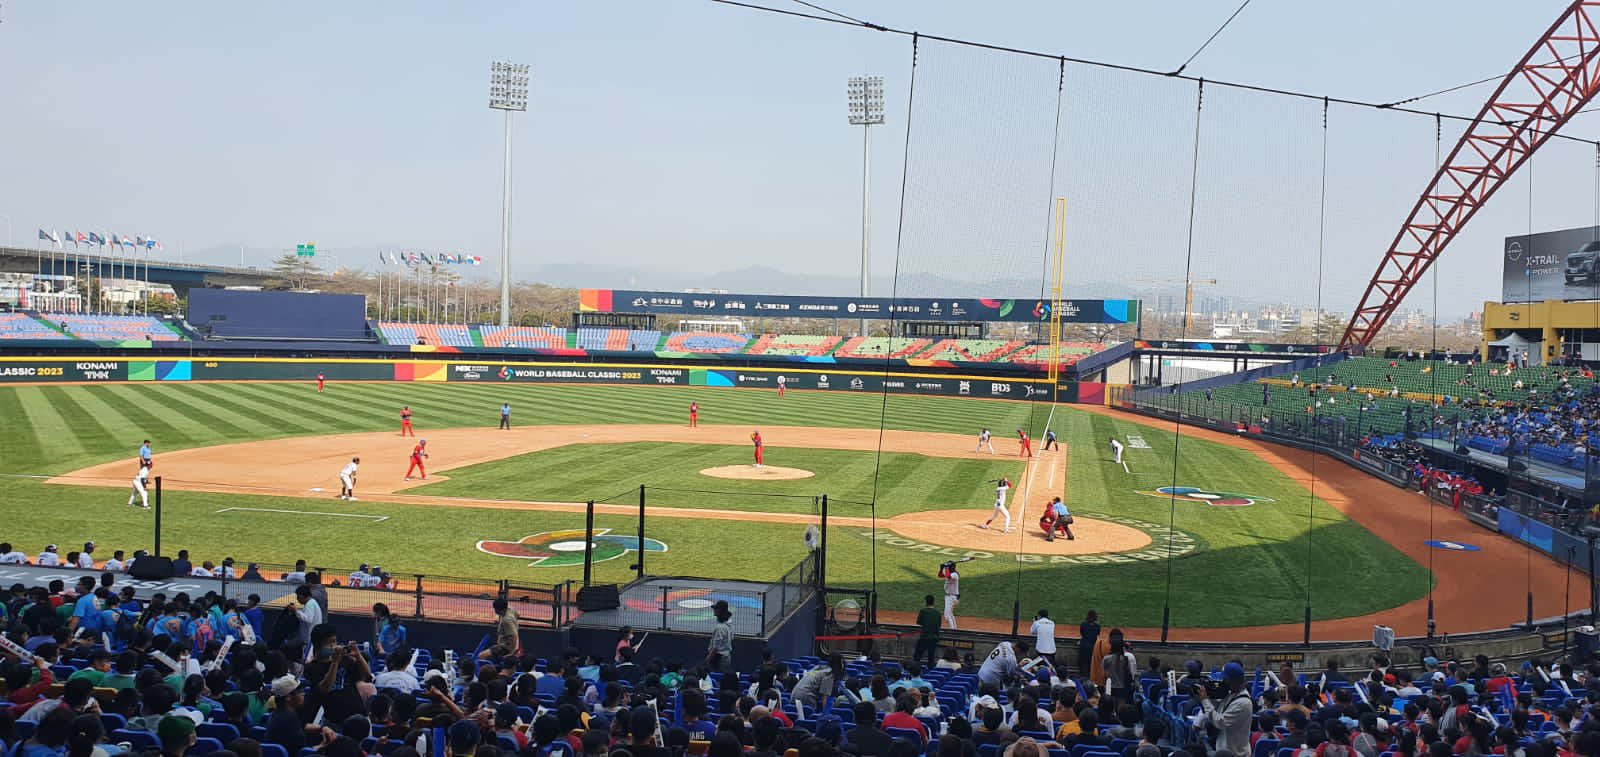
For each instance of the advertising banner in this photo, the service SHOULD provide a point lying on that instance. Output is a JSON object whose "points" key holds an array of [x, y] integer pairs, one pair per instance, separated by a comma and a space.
{"points": [[1552, 265], [535, 374], [1012, 310], [44, 371], [871, 382]]}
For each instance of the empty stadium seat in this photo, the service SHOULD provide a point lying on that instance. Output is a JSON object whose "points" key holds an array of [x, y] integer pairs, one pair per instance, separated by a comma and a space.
{"points": [[445, 335], [525, 337], [116, 328], [21, 326]]}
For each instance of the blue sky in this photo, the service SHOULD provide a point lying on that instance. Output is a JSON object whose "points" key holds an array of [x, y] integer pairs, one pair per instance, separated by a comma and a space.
{"points": [[684, 134]]}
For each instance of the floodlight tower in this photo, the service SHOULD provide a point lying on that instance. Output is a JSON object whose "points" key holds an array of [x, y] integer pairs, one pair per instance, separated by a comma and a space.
{"points": [[866, 111], [508, 92]]}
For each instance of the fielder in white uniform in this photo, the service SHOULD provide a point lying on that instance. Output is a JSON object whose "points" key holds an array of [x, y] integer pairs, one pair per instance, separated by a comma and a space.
{"points": [[1116, 451], [1000, 490], [141, 492], [952, 596], [983, 441], [347, 479]]}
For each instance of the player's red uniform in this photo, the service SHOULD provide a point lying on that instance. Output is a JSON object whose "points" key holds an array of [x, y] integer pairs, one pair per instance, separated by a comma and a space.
{"points": [[694, 414], [405, 422], [320, 380], [417, 454], [755, 438], [1026, 449], [780, 387]]}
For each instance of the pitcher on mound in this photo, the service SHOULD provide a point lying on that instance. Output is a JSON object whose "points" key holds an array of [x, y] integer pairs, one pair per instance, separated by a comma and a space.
{"points": [[755, 438]]}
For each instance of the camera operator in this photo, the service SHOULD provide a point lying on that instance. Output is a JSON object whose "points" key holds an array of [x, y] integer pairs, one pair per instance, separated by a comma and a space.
{"points": [[1229, 710]]}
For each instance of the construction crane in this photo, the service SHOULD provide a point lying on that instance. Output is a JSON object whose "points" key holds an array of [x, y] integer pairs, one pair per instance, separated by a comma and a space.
{"points": [[1188, 293]]}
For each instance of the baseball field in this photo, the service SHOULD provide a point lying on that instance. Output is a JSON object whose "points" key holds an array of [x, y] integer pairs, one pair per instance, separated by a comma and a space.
{"points": [[1251, 535]]}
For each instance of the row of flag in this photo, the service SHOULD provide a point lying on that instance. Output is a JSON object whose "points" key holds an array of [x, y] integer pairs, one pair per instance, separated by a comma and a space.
{"points": [[94, 239], [423, 258]]}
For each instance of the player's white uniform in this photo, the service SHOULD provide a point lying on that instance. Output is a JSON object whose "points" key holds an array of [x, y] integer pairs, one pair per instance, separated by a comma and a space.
{"points": [[983, 441], [140, 490], [1000, 506], [347, 477], [952, 592], [1116, 451], [48, 560]]}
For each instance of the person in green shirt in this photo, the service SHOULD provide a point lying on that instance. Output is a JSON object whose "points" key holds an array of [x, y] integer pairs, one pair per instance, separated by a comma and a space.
{"points": [[127, 667], [928, 638], [99, 668]]}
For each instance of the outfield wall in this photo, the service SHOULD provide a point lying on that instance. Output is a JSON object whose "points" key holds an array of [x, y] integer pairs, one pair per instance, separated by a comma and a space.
{"points": [[114, 370]]}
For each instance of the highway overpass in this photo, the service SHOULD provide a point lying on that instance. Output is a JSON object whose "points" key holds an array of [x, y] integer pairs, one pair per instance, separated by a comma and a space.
{"points": [[180, 276]]}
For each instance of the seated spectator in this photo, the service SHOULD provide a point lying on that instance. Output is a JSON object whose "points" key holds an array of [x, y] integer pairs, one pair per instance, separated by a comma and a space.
{"points": [[902, 717], [866, 739]]}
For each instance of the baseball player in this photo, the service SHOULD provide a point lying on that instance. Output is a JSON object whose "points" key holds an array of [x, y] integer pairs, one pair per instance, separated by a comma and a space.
{"points": [[505, 415], [1050, 440], [1001, 488], [418, 453], [144, 455], [49, 558], [1116, 451], [405, 421], [781, 382], [984, 441], [1025, 445], [694, 414], [755, 438], [347, 479], [952, 589], [141, 483], [321, 379], [1056, 520]]}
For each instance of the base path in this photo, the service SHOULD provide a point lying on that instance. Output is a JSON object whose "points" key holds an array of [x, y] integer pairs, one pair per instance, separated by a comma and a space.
{"points": [[300, 466]]}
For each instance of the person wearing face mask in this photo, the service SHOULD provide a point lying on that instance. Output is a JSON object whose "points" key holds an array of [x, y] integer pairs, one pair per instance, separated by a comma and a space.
{"points": [[338, 677]]}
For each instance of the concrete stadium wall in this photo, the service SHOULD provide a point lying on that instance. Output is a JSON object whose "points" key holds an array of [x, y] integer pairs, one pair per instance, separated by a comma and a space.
{"points": [[81, 369]]}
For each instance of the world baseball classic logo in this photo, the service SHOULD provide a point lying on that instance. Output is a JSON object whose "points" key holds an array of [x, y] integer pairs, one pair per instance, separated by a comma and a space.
{"points": [[564, 549], [1212, 498]]}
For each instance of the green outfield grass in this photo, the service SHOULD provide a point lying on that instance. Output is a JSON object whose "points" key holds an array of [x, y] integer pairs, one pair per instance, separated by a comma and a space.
{"points": [[1250, 567], [578, 472]]}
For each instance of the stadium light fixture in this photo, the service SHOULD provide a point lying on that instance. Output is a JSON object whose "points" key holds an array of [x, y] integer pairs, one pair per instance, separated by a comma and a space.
{"points": [[865, 96], [508, 93]]}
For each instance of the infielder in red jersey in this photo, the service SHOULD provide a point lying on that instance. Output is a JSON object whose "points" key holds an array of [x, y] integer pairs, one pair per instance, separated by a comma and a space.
{"points": [[755, 438], [320, 380], [417, 454], [1025, 448], [694, 415], [405, 421]]}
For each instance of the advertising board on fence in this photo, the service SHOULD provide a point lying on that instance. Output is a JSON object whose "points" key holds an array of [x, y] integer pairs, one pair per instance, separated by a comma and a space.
{"points": [[1010, 310], [44, 370]]}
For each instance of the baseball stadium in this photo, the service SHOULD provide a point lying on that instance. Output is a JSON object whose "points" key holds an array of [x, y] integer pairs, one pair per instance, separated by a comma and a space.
{"points": [[1163, 353]]}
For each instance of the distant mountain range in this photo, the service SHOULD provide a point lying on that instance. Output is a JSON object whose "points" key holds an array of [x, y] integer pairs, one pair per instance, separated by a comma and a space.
{"points": [[758, 279]]}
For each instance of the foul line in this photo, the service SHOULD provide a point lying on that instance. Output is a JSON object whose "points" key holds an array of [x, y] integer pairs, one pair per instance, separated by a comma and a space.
{"points": [[373, 518]]}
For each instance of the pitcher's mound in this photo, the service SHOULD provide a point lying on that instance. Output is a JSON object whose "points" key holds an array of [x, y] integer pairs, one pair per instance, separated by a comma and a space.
{"points": [[752, 473], [959, 528]]}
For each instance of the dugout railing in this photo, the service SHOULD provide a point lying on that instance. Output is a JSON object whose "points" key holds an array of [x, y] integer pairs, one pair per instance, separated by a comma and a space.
{"points": [[417, 596]]}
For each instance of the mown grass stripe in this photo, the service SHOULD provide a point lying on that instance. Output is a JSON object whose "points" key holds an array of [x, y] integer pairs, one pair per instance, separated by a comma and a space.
{"points": [[271, 420], [127, 417], [177, 402], [91, 436], [19, 442], [265, 394]]}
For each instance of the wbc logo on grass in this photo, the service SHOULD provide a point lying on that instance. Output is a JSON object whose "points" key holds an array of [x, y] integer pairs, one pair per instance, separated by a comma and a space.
{"points": [[564, 549], [1214, 499]]}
